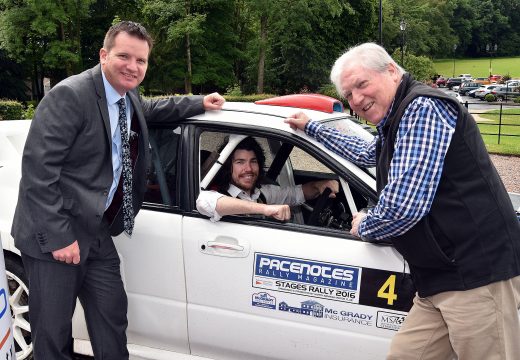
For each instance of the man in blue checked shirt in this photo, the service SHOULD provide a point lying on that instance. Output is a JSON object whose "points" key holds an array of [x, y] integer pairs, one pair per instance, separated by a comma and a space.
{"points": [[441, 203]]}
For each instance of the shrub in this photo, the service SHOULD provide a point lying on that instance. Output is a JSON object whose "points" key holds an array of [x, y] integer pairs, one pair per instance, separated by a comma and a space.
{"points": [[330, 90], [490, 98], [421, 67], [28, 112], [233, 90], [10, 110], [248, 98], [517, 100], [505, 78]]}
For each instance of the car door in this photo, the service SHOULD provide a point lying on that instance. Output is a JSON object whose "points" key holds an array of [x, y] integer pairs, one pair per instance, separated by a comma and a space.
{"points": [[261, 289], [152, 265]]}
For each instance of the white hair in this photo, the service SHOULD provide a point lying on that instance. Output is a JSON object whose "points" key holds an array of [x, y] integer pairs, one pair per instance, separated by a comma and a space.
{"points": [[368, 55]]}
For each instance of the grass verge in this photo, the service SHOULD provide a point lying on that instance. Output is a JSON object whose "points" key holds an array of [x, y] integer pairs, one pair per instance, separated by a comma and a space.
{"points": [[509, 145]]}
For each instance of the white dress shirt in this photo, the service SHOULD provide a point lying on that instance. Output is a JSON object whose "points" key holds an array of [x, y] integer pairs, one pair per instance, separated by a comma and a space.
{"points": [[292, 196], [113, 113]]}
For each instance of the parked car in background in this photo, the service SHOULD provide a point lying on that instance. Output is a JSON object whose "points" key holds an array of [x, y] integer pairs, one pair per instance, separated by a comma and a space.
{"points": [[482, 80], [467, 86], [482, 91], [456, 81], [512, 83], [471, 93], [465, 76], [495, 78], [505, 92], [441, 81]]}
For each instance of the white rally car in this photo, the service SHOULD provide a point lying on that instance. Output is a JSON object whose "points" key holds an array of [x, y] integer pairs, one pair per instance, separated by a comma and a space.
{"points": [[244, 287]]}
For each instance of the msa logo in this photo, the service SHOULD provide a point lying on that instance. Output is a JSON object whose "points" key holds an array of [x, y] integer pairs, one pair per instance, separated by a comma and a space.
{"points": [[389, 321]]}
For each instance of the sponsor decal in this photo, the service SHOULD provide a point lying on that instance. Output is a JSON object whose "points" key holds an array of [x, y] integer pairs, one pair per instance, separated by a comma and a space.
{"points": [[6, 342], [349, 317], [307, 277], [315, 309], [390, 321], [263, 299]]}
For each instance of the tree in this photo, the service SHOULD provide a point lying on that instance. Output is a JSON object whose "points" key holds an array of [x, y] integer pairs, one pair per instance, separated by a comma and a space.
{"points": [[12, 79], [180, 24], [307, 36], [44, 35]]}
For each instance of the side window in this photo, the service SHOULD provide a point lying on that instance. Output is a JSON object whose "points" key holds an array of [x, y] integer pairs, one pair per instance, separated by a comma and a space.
{"points": [[286, 167], [209, 145], [163, 172]]}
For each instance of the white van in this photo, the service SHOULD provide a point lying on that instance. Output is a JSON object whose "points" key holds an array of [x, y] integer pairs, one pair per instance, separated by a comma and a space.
{"points": [[466, 76]]}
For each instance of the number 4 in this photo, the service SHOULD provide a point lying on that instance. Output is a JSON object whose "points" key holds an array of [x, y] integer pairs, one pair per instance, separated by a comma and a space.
{"points": [[387, 291]]}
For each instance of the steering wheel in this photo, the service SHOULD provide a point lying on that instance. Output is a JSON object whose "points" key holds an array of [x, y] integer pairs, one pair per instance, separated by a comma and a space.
{"points": [[319, 206]]}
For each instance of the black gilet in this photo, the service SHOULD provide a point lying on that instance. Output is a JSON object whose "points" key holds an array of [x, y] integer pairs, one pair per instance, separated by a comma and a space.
{"points": [[471, 236]]}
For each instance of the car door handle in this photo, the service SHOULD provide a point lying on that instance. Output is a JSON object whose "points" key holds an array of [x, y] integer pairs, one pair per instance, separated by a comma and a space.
{"points": [[226, 246]]}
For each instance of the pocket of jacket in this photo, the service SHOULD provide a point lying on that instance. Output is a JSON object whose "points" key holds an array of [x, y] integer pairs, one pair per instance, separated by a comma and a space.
{"points": [[420, 248]]}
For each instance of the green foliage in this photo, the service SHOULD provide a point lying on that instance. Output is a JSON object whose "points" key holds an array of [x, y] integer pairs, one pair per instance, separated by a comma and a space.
{"points": [[305, 37], [248, 98], [517, 100], [330, 90], [44, 36], [421, 67], [28, 112], [490, 98], [10, 110], [234, 90]]}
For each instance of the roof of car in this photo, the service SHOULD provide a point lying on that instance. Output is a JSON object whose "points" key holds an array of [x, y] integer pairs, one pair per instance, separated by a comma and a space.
{"points": [[265, 115]]}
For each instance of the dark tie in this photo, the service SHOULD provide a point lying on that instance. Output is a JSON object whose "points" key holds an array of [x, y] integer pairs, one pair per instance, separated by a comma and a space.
{"points": [[126, 172]]}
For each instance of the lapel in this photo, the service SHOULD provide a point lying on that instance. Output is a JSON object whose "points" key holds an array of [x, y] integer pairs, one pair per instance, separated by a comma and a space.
{"points": [[102, 100], [137, 108]]}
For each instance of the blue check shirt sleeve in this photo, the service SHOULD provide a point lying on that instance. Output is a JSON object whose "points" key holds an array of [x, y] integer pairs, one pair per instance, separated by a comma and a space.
{"points": [[352, 148], [423, 138]]}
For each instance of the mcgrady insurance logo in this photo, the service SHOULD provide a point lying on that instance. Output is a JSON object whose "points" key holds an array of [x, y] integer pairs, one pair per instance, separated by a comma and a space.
{"points": [[263, 299], [307, 277]]}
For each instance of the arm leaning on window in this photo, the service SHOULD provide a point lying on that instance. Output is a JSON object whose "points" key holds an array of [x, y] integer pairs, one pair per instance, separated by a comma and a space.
{"points": [[352, 148], [216, 205]]}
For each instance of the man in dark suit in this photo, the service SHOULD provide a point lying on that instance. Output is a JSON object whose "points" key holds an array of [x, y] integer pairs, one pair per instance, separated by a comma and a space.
{"points": [[83, 180]]}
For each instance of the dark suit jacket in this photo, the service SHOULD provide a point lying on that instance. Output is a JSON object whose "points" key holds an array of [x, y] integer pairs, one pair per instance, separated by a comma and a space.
{"points": [[67, 166]]}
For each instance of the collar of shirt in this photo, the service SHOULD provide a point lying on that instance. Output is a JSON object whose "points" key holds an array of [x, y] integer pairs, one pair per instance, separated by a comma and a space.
{"points": [[236, 192], [382, 123], [113, 97]]}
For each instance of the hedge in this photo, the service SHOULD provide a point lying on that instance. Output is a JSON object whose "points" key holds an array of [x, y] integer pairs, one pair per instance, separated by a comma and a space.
{"points": [[248, 98], [11, 110]]}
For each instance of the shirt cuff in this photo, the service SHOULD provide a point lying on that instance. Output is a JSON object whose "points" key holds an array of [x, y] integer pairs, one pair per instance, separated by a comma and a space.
{"points": [[207, 204], [312, 128]]}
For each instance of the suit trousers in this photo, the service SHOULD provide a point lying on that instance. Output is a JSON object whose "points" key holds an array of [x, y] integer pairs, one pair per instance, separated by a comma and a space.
{"points": [[53, 290], [476, 324]]}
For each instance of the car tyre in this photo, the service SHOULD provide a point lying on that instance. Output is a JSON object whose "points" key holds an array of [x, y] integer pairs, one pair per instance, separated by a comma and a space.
{"points": [[19, 303]]}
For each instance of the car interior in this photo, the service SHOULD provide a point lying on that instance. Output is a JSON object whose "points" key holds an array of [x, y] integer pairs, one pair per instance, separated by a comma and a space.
{"points": [[287, 165]]}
